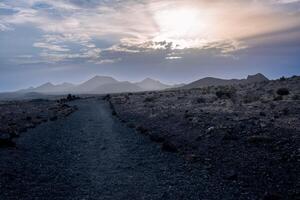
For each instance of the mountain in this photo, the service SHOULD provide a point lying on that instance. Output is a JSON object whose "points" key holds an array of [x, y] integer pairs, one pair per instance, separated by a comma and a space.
{"points": [[105, 84], [209, 81], [95, 85], [45, 87], [149, 84], [49, 88], [256, 78], [92, 84], [117, 87], [178, 85]]}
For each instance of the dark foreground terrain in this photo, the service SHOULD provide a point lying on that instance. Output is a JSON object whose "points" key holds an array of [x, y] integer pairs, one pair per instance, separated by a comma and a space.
{"points": [[228, 142], [246, 135], [91, 155], [17, 117]]}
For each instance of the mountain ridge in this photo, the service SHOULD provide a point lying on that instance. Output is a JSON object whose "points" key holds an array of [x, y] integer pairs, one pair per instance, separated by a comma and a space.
{"points": [[152, 84], [211, 81], [93, 83], [106, 84]]}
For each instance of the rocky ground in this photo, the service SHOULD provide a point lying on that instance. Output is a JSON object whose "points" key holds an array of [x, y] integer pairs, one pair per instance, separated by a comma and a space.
{"points": [[19, 116], [91, 155], [245, 135]]}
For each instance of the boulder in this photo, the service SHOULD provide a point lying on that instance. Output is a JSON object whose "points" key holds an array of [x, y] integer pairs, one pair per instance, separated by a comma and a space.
{"points": [[255, 139], [169, 147], [6, 140]]}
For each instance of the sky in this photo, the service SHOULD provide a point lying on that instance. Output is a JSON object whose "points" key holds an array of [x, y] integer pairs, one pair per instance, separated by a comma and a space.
{"points": [[173, 41]]}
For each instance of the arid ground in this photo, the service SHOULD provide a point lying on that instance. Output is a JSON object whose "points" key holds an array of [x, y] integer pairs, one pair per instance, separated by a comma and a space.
{"points": [[246, 135], [221, 142]]}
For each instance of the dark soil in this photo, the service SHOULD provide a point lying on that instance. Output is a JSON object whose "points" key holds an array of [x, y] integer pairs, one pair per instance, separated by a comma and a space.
{"points": [[92, 155], [244, 135], [17, 117]]}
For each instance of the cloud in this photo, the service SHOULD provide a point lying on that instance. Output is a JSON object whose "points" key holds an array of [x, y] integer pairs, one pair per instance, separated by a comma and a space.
{"points": [[107, 61], [50, 47], [4, 27], [285, 1], [53, 56], [173, 57], [147, 25]]}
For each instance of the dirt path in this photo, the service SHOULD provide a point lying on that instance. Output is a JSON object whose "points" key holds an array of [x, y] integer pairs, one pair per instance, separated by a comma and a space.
{"points": [[91, 155]]}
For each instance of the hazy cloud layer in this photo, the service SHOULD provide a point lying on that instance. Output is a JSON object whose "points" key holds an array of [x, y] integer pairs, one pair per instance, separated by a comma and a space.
{"points": [[141, 25], [108, 32]]}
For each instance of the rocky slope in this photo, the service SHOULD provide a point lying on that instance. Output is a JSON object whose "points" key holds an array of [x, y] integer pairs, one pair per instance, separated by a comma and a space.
{"points": [[19, 116], [210, 81], [246, 134]]}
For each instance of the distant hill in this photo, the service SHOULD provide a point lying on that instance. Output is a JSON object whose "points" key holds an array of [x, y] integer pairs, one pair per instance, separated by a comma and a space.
{"points": [[256, 78], [106, 84], [178, 85], [210, 81], [49, 88], [8, 96], [93, 84], [150, 84], [117, 87], [98, 85]]}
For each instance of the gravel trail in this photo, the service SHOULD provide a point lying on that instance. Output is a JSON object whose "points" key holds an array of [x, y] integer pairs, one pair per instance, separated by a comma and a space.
{"points": [[91, 155]]}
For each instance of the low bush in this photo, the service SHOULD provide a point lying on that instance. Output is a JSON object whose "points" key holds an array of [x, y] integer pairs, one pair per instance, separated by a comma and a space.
{"points": [[149, 99], [226, 92], [251, 97], [130, 125], [201, 100], [255, 139], [169, 147], [107, 97], [156, 138], [278, 98], [283, 91], [142, 129], [69, 97], [282, 78], [296, 97], [7, 142]]}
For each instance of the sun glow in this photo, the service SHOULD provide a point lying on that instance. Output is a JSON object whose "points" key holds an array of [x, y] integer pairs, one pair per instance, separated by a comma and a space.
{"points": [[181, 26]]}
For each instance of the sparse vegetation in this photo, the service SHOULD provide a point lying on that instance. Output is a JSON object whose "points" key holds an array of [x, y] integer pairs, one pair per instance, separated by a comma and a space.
{"points": [[251, 97], [69, 98], [296, 97], [149, 99], [226, 92], [142, 129], [201, 100], [255, 139], [169, 146], [130, 125], [17, 117], [283, 91], [282, 78], [226, 126], [228, 130], [107, 97], [278, 98], [53, 118], [7, 142]]}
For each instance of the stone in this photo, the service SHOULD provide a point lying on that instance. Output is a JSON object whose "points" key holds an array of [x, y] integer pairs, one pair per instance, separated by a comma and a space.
{"points": [[6, 140], [169, 147], [259, 139]]}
